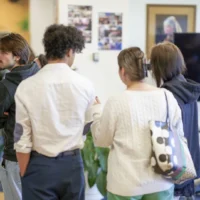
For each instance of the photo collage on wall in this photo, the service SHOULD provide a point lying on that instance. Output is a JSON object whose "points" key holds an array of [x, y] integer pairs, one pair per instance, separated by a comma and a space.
{"points": [[110, 31], [81, 18], [109, 26]]}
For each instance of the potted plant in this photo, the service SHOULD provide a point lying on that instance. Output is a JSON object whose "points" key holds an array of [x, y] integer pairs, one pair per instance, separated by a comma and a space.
{"points": [[95, 164]]}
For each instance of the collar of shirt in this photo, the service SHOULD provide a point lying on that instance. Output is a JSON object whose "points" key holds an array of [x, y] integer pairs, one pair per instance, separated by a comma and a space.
{"points": [[56, 66]]}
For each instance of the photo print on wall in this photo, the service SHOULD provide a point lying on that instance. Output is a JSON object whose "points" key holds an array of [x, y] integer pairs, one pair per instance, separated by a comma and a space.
{"points": [[167, 25], [110, 31], [81, 18], [165, 20]]}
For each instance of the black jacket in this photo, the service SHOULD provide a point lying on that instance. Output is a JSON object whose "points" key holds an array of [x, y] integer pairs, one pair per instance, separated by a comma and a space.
{"points": [[187, 93], [3, 74], [8, 88]]}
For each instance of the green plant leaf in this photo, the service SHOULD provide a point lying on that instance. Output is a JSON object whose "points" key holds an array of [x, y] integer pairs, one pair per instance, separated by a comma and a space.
{"points": [[95, 159], [88, 152], [92, 174], [24, 24], [102, 182], [102, 154]]}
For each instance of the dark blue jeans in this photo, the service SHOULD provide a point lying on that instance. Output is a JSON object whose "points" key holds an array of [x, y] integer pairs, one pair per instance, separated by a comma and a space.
{"points": [[59, 178]]}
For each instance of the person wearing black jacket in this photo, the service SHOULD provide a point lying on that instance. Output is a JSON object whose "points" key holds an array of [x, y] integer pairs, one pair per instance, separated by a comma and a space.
{"points": [[168, 65], [14, 56]]}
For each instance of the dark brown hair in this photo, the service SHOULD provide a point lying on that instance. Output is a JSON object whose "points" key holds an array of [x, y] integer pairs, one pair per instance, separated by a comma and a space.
{"points": [[59, 39], [131, 60], [43, 60], [167, 62], [32, 55], [17, 45]]}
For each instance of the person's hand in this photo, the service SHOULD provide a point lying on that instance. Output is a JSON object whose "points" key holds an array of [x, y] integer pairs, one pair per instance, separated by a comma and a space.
{"points": [[22, 173], [97, 101]]}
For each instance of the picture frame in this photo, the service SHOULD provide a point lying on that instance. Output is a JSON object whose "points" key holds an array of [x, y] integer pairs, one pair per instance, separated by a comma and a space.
{"points": [[164, 20]]}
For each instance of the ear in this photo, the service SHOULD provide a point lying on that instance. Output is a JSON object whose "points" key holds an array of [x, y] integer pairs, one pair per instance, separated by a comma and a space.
{"points": [[70, 53], [122, 71], [16, 58]]}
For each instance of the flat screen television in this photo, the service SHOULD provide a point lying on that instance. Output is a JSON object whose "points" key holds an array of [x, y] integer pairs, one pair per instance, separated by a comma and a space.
{"points": [[189, 44]]}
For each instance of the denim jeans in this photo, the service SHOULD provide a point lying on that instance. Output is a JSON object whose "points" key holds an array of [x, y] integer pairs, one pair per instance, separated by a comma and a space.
{"points": [[11, 181]]}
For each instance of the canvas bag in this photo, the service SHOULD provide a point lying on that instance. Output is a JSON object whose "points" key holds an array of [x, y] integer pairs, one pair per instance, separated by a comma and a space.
{"points": [[170, 156]]}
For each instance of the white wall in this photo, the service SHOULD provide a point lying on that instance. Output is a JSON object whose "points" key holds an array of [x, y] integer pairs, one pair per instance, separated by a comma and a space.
{"points": [[42, 14], [103, 74]]}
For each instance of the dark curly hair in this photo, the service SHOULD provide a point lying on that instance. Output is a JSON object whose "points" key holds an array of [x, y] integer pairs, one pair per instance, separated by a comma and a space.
{"points": [[58, 39]]}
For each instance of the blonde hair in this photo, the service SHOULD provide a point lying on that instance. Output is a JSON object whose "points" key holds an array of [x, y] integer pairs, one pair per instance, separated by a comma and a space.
{"points": [[172, 21]]}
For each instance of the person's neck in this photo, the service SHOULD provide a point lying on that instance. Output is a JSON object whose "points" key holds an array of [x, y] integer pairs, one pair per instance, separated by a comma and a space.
{"points": [[135, 85], [140, 86]]}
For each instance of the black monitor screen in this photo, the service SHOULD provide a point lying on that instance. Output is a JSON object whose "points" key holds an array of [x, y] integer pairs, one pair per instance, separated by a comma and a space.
{"points": [[189, 44]]}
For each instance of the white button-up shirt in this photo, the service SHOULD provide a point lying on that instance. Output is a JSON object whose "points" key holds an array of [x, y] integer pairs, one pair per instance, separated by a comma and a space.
{"points": [[51, 110]]}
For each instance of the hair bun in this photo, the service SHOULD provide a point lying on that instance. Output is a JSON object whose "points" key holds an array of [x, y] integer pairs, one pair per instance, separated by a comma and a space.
{"points": [[139, 54], [131, 60]]}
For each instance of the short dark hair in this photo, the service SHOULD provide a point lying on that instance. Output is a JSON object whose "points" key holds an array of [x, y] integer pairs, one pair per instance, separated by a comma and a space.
{"points": [[58, 39], [17, 45], [131, 60], [167, 62]]}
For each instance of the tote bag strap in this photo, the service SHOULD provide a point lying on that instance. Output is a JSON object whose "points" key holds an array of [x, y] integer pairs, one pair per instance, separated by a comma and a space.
{"points": [[167, 108]]}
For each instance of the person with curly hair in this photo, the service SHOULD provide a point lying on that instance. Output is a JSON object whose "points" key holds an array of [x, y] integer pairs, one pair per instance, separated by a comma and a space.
{"points": [[48, 133]]}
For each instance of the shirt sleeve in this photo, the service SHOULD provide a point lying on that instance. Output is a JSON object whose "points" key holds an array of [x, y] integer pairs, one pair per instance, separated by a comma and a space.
{"points": [[22, 132], [104, 126], [89, 112]]}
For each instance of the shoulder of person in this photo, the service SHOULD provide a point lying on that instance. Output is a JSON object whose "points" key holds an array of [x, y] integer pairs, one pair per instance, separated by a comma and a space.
{"points": [[115, 99], [25, 86], [84, 81], [167, 92], [170, 97]]}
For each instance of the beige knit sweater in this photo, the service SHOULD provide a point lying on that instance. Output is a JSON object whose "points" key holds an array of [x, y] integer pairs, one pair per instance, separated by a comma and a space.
{"points": [[124, 125]]}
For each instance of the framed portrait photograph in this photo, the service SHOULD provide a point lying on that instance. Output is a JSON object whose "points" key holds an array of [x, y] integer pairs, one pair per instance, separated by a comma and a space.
{"points": [[81, 18], [165, 20], [110, 31]]}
